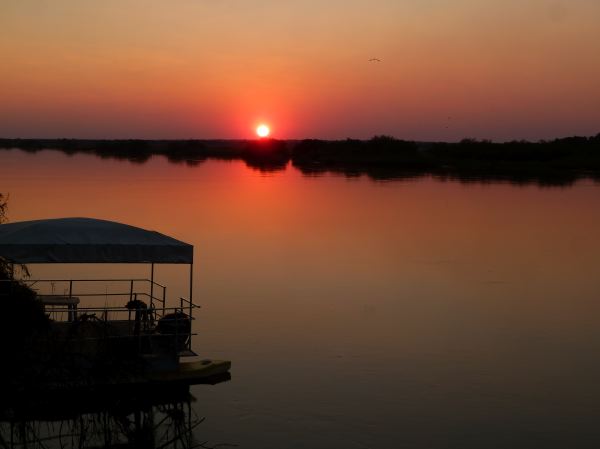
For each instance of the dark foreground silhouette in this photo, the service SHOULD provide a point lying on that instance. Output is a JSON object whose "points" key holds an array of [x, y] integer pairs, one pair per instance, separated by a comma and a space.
{"points": [[154, 418], [556, 162]]}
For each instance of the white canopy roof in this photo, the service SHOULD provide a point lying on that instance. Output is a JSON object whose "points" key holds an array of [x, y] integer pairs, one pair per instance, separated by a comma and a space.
{"points": [[88, 240]]}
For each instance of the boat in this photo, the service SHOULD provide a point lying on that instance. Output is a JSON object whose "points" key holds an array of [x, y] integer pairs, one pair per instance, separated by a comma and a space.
{"points": [[148, 339]]}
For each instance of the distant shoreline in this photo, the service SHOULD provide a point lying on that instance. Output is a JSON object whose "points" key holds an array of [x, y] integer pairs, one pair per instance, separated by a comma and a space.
{"points": [[556, 162]]}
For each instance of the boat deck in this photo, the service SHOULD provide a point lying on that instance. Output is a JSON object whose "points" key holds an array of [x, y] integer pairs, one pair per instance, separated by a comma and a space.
{"points": [[85, 336]]}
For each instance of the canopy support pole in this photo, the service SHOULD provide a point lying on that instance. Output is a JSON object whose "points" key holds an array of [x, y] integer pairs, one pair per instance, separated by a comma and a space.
{"points": [[189, 342], [151, 284], [191, 286]]}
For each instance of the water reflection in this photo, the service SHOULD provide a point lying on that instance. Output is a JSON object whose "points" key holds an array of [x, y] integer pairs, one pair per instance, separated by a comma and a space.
{"points": [[561, 162], [360, 314], [151, 418]]}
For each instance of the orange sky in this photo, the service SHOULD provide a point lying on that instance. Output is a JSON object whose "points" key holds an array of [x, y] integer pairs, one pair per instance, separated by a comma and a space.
{"points": [[499, 69]]}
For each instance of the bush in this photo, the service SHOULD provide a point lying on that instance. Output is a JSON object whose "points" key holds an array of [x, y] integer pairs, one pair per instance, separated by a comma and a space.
{"points": [[22, 317]]}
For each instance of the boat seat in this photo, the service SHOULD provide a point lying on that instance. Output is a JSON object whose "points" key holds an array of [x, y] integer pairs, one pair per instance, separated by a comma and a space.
{"points": [[57, 300]]}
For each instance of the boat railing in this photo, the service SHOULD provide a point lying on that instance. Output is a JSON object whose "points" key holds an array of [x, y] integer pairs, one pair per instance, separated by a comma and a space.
{"points": [[129, 289], [122, 323], [61, 298], [189, 306], [145, 317]]}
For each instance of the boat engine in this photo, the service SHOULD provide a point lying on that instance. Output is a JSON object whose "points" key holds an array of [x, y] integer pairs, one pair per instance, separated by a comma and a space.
{"points": [[178, 325]]}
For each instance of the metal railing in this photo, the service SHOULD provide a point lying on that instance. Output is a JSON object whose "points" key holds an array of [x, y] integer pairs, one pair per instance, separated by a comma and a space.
{"points": [[190, 306], [130, 290], [139, 321], [124, 315]]}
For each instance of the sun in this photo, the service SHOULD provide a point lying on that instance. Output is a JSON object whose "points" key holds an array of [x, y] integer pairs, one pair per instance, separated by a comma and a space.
{"points": [[263, 130]]}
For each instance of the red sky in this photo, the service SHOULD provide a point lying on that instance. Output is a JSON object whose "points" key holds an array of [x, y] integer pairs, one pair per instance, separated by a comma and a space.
{"points": [[499, 69]]}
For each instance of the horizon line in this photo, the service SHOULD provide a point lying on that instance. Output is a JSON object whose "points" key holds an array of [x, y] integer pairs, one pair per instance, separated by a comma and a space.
{"points": [[375, 136]]}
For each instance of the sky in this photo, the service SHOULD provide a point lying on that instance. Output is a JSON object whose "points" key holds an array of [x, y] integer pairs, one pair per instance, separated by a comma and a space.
{"points": [[498, 69]]}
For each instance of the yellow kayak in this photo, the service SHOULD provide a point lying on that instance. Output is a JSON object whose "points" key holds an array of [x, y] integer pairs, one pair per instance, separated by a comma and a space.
{"points": [[193, 371]]}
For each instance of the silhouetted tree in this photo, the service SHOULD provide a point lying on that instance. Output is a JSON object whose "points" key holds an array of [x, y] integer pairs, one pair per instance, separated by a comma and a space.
{"points": [[554, 162], [4, 265], [22, 316], [3, 207]]}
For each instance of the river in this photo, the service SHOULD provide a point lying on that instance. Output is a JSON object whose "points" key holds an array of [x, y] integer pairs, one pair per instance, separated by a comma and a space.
{"points": [[415, 313]]}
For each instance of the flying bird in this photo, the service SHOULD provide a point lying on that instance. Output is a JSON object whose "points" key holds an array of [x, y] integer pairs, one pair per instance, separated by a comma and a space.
{"points": [[374, 60]]}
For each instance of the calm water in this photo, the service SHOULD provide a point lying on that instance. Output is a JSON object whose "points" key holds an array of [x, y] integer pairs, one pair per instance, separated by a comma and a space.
{"points": [[417, 314]]}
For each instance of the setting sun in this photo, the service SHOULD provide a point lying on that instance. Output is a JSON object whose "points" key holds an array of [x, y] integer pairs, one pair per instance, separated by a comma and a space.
{"points": [[262, 130]]}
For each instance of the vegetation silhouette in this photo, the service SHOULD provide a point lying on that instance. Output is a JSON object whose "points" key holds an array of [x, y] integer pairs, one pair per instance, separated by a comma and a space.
{"points": [[266, 155], [22, 320], [558, 162]]}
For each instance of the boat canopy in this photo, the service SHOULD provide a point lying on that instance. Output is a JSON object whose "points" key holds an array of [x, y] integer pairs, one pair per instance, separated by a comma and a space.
{"points": [[88, 240]]}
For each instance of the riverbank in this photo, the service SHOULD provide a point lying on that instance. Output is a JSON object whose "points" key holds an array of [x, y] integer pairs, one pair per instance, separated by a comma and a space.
{"points": [[556, 162]]}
